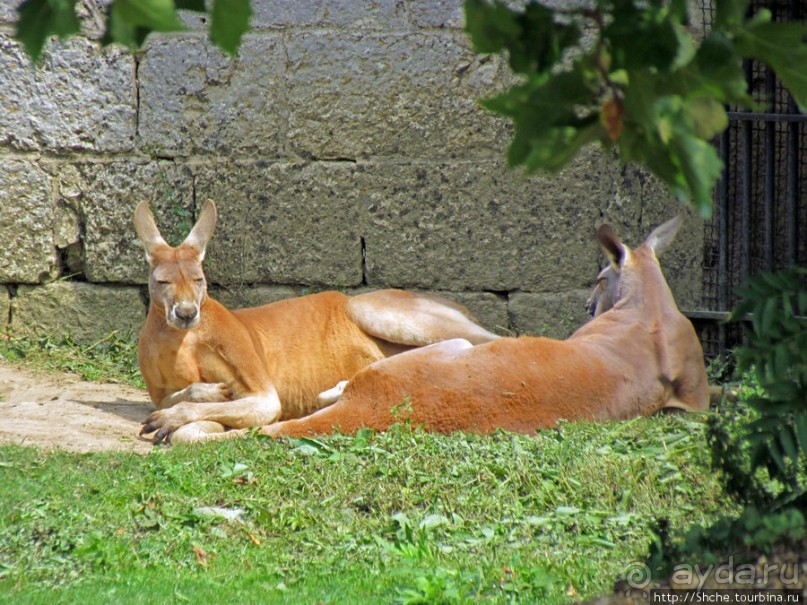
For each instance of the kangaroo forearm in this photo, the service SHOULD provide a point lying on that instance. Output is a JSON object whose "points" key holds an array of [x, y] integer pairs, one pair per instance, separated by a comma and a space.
{"points": [[242, 413]]}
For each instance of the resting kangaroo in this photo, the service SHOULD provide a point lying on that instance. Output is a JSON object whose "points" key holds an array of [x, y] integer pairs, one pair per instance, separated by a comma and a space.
{"points": [[637, 357], [208, 369]]}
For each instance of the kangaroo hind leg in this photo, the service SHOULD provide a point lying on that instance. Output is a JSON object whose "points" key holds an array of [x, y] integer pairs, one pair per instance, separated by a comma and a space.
{"points": [[412, 319]]}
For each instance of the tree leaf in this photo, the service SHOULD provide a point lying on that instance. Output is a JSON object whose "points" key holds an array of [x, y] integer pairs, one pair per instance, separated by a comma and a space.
{"points": [[611, 118], [779, 392], [154, 15], [708, 117], [191, 5], [778, 282], [701, 167], [781, 360], [491, 25], [801, 429], [788, 443], [119, 29], [129, 22], [229, 21], [534, 40], [640, 37], [548, 128], [39, 19], [542, 40], [730, 13], [554, 150], [768, 315], [780, 46], [775, 451]]}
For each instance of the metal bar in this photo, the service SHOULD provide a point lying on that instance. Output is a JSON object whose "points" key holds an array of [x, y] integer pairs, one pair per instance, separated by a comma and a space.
{"points": [[723, 238], [792, 216], [709, 315], [792, 209], [770, 182], [717, 315], [744, 116], [745, 201]]}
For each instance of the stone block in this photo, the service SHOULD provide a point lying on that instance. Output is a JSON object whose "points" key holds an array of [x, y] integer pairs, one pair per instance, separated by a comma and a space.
{"points": [[107, 193], [437, 13], [239, 297], [93, 16], [27, 253], [414, 96], [8, 11], [91, 13], [555, 315], [196, 99], [87, 312], [5, 307], [342, 14], [489, 310], [479, 226], [380, 14], [284, 223], [79, 99]]}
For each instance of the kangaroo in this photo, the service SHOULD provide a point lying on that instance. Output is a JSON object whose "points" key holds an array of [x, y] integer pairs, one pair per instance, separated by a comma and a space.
{"points": [[637, 356], [209, 369]]}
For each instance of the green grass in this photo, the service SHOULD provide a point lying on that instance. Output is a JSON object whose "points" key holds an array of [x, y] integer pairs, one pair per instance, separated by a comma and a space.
{"points": [[110, 359], [399, 517]]}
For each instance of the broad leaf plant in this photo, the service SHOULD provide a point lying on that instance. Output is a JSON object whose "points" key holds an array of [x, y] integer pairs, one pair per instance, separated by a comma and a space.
{"points": [[630, 74]]}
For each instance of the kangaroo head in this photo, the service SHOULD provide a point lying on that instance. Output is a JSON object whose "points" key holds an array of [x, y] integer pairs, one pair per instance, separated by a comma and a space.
{"points": [[628, 267], [603, 297], [176, 281]]}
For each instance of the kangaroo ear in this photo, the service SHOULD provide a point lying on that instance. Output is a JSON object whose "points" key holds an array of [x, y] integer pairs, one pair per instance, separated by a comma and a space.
{"points": [[146, 229], [203, 229], [663, 235], [613, 247]]}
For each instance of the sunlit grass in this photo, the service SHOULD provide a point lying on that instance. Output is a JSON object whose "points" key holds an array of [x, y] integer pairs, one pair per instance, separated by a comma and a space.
{"points": [[110, 359], [399, 517], [403, 516]]}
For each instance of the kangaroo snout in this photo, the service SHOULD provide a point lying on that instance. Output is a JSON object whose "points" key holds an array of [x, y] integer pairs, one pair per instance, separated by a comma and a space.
{"points": [[184, 315]]}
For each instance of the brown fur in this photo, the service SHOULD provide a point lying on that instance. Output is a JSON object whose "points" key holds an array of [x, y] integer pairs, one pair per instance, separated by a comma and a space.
{"points": [[637, 358], [216, 368]]}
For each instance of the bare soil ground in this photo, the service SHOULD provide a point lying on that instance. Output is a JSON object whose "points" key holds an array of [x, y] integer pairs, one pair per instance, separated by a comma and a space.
{"points": [[61, 411]]}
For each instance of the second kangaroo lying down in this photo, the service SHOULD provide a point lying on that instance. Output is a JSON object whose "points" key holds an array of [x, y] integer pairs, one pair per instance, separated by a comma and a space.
{"points": [[636, 358], [209, 369]]}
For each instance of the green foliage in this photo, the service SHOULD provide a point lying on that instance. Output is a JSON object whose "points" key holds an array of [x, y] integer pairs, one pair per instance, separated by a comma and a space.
{"points": [[727, 434], [777, 351], [720, 369], [772, 517], [759, 442], [129, 22], [781, 45], [746, 535], [403, 516], [39, 19], [111, 359], [645, 86], [229, 21]]}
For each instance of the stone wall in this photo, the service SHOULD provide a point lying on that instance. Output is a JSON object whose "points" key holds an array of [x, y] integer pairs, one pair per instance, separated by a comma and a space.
{"points": [[345, 148]]}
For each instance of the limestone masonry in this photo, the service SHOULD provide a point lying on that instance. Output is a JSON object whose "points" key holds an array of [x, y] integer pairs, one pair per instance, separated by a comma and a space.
{"points": [[345, 148]]}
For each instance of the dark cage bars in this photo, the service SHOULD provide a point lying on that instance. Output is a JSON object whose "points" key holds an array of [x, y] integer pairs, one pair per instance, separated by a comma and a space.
{"points": [[760, 204]]}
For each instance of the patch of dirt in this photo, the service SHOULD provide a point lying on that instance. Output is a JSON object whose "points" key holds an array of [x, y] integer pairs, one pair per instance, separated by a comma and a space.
{"points": [[61, 411]]}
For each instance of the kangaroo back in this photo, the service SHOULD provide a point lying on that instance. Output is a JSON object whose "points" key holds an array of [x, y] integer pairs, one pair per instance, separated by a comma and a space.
{"points": [[636, 357]]}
